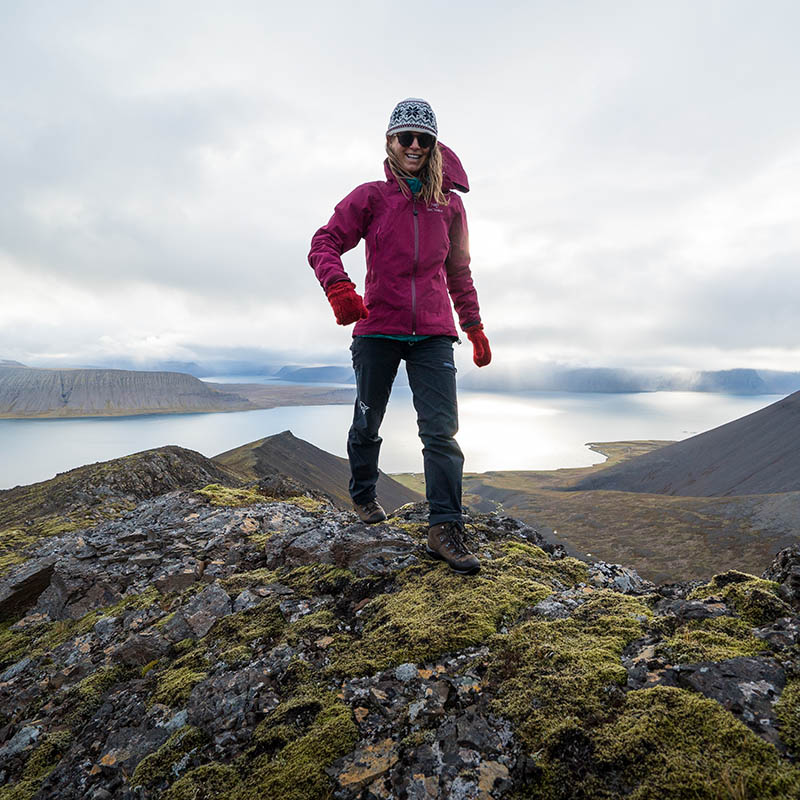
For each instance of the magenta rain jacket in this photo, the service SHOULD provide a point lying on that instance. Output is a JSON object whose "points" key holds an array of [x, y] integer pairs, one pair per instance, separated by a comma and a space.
{"points": [[417, 255]]}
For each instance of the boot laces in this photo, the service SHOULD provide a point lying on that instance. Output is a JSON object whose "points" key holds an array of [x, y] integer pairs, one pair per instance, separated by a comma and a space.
{"points": [[451, 538]]}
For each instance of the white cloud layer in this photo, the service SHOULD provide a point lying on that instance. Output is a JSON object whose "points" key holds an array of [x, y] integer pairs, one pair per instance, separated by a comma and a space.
{"points": [[635, 170]]}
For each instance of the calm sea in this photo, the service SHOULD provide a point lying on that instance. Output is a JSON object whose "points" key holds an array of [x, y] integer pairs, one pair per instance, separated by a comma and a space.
{"points": [[531, 430]]}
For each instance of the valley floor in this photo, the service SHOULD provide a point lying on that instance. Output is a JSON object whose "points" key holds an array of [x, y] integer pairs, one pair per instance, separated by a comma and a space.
{"points": [[663, 537]]}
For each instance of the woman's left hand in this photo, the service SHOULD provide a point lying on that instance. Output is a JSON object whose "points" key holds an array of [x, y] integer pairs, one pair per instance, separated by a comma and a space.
{"points": [[481, 352]]}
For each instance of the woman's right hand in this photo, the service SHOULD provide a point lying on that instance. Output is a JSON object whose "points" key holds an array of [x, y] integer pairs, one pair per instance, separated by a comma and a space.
{"points": [[346, 303]]}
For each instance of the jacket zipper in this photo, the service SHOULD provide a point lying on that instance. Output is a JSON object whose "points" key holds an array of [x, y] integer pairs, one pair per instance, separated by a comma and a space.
{"points": [[414, 271]]}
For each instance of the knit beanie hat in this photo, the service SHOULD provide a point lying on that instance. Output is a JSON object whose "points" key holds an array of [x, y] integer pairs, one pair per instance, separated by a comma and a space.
{"points": [[412, 114]]}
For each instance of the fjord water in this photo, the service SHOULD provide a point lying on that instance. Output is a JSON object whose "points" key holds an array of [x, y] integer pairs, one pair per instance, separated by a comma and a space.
{"points": [[531, 430]]}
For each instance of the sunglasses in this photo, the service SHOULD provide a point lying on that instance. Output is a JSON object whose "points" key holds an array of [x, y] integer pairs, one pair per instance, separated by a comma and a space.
{"points": [[425, 140]]}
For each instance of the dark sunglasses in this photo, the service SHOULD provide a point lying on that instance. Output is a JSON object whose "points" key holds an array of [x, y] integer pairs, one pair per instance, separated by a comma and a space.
{"points": [[425, 140]]}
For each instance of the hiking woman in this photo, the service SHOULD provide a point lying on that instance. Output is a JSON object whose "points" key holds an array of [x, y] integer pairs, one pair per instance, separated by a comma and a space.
{"points": [[417, 251]]}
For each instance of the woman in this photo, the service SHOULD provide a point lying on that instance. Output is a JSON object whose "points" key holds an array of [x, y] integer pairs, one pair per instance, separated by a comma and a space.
{"points": [[417, 250]]}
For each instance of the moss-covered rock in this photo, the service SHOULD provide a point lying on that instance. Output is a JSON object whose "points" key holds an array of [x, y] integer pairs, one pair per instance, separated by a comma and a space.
{"points": [[755, 599], [208, 782], [668, 742], [219, 495], [552, 675], [40, 764], [434, 611], [788, 712], [713, 639], [175, 684], [292, 747], [264, 622], [156, 768]]}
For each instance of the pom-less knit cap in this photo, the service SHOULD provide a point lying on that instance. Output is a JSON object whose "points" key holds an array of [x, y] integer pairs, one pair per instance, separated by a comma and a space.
{"points": [[412, 114]]}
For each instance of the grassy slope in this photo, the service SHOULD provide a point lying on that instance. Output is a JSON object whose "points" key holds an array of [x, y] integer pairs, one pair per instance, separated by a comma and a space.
{"points": [[665, 538]]}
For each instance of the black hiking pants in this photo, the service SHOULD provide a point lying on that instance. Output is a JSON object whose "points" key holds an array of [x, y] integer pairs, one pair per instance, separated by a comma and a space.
{"points": [[432, 378]]}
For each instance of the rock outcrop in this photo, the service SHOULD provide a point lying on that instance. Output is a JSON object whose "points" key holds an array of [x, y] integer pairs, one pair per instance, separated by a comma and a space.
{"points": [[251, 641]]}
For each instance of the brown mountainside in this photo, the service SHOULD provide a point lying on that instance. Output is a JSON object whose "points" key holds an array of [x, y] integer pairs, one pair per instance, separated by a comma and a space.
{"points": [[309, 465], [756, 454]]}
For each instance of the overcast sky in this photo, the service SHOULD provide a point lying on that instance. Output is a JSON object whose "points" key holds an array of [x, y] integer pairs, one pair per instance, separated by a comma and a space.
{"points": [[635, 173]]}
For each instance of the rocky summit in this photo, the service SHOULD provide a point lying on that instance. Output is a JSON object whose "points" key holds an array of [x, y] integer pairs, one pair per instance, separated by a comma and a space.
{"points": [[233, 640]]}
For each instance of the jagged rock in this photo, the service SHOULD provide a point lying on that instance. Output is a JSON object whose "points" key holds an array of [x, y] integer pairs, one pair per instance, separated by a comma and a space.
{"points": [[22, 589], [781, 634], [685, 610], [552, 608], [138, 650], [621, 579], [374, 549], [747, 687], [23, 739], [785, 570], [206, 608], [360, 669], [233, 702]]}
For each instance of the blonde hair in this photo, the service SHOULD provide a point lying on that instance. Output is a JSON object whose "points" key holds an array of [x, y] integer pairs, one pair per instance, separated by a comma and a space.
{"points": [[430, 175]]}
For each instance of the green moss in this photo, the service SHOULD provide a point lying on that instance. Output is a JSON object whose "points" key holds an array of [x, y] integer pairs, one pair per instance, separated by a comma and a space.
{"points": [[435, 611], [312, 626], [306, 503], [313, 580], [218, 495], [264, 621], [247, 580], [40, 764], [714, 639], [551, 674], [209, 782], [303, 736], [237, 656], [86, 696], [156, 768], [668, 742], [175, 684], [291, 749], [788, 711], [755, 599]]}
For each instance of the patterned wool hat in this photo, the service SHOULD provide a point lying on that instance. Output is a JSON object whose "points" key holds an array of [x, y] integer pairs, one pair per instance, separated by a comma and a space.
{"points": [[412, 114]]}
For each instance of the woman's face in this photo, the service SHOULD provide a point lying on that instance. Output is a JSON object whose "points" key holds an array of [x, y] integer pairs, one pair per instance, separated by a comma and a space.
{"points": [[412, 158]]}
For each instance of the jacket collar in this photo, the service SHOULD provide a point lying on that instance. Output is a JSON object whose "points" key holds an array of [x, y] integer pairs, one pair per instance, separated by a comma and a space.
{"points": [[453, 174]]}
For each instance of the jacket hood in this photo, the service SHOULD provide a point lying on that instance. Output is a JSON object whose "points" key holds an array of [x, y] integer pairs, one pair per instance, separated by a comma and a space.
{"points": [[453, 174]]}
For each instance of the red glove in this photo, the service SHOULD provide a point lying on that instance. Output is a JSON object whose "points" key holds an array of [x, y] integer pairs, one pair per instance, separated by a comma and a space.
{"points": [[346, 302], [481, 352]]}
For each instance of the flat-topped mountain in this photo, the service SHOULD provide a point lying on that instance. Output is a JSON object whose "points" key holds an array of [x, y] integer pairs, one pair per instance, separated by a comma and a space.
{"points": [[312, 467], [27, 392], [756, 454]]}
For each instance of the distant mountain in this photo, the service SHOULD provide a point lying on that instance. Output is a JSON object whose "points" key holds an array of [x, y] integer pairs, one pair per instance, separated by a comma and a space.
{"points": [[309, 465], [4, 362], [559, 378], [317, 374], [26, 392], [757, 454]]}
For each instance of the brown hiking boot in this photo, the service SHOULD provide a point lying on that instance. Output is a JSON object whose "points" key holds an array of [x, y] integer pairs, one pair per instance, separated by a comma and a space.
{"points": [[446, 542], [370, 512]]}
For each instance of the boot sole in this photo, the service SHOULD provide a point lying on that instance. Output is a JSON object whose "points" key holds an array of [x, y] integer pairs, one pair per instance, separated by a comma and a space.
{"points": [[439, 557]]}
